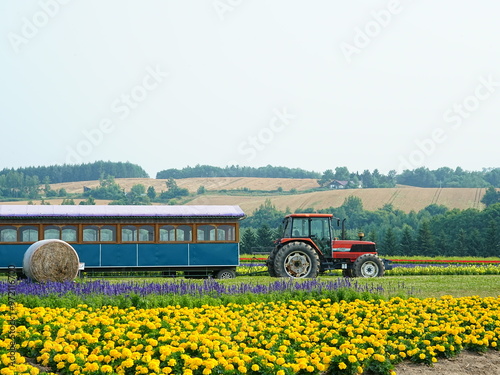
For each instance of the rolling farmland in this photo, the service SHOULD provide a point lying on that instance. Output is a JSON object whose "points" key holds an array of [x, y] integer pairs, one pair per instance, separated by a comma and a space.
{"points": [[405, 198]]}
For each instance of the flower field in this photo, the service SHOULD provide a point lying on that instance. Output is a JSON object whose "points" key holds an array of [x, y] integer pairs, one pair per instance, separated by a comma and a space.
{"points": [[293, 337], [283, 327]]}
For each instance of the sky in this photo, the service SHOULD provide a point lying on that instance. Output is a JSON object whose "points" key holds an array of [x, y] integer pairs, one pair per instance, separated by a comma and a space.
{"points": [[387, 85]]}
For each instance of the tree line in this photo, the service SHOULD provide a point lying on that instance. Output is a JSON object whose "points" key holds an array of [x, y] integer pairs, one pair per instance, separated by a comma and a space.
{"points": [[32, 182], [420, 177], [433, 231], [235, 171]]}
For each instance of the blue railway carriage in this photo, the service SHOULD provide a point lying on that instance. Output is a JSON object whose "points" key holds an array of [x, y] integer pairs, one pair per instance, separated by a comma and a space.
{"points": [[196, 241]]}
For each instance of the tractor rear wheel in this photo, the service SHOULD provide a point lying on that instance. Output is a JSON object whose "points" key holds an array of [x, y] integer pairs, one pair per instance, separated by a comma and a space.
{"points": [[297, 260], [368, 265]]}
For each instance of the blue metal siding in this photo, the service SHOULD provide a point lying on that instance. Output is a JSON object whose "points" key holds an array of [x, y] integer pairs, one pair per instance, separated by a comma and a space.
{"points": [[163, 254], [122, 255], [90, 254], [212, 254], [12, 255]]}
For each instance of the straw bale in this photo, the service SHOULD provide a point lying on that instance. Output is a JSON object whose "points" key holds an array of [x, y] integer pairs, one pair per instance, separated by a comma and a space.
{"points": [[51, 260]]}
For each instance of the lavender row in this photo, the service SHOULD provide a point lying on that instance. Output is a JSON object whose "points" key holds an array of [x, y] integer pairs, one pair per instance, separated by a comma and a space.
{"points": [[183, 287]]}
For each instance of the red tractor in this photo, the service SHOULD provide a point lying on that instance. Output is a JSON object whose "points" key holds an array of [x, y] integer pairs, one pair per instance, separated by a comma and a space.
{"points": [[308, 248]]}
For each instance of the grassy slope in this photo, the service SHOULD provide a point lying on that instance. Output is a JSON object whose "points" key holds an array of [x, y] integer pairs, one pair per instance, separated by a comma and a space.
{"points": [[402, 197]]}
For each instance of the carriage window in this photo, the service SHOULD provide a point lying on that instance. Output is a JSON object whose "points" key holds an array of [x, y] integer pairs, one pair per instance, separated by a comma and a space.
{"points": [[226, 233], [184, 233], [108, 233], [90, 233], [206, 233], [146, 233], [129, 233], [167, 233], [69, 233], [8, 234], [28, 234], [52, 232]]}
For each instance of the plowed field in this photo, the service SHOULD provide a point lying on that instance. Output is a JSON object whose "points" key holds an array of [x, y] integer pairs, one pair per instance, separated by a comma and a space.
{"points": [[405, 198]]}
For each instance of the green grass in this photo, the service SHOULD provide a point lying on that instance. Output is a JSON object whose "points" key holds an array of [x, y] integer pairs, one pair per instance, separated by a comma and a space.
{"points": [[422, 286], [440, 285]]}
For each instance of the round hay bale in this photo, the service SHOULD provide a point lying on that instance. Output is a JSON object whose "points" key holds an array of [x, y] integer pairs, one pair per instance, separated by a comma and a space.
{"points": [[51, 260]]}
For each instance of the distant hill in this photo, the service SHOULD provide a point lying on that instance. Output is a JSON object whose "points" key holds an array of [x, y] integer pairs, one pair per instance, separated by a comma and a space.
{"points": [[405, 198], [210, 183]]}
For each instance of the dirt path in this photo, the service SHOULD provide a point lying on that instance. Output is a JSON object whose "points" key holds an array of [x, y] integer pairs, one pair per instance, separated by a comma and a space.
{"points": [[467, 363]]}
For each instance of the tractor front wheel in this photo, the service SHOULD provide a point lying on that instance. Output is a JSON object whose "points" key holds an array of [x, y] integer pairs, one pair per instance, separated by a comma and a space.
{"points": [[270, 263], [297, 260], [368, 265]]}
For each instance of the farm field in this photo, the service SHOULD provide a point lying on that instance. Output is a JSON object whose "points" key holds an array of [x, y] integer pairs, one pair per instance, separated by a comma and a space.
{"points": [[405, 198], [210, 183], [277, 333]]}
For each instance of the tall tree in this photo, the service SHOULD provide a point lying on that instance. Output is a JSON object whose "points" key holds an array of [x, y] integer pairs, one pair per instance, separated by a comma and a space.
{"points": [[248, 241], [425, 240], [491, 196], [264, 237], [151, 193], [407, 243], [390, 243]]}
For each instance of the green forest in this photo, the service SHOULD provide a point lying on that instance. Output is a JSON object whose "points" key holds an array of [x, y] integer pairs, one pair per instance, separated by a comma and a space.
{"points": [[33, 182]]}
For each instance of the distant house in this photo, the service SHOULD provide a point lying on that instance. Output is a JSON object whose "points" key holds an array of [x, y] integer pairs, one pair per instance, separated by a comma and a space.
{"points": [[336, 184]]}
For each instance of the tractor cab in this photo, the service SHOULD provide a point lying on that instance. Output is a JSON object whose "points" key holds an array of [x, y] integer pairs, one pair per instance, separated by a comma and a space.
{"points": [[316, 229]]}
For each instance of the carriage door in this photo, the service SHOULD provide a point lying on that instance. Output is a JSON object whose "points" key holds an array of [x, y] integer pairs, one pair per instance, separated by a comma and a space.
{"points": [[321, 235]]}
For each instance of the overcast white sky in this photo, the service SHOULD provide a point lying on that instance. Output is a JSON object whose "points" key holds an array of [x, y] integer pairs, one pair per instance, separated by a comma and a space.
{"points": [[302, 84]]}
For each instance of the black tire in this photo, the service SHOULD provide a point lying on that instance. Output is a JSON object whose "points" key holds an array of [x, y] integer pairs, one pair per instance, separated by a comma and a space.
{"points": [[297, 260], [226, 273], [270, 263], [368, 265]]}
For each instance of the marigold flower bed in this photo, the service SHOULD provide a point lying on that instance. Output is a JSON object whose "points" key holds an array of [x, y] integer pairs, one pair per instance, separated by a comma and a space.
{"points": [[308, 337]]}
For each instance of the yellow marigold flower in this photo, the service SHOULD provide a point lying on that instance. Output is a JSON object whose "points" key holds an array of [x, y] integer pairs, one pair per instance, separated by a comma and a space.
{"points": [[342, 366], [352, 358], [280, 372], [421, 356], [255, 367], [128, 363], [73, 367], [107, 368]]}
